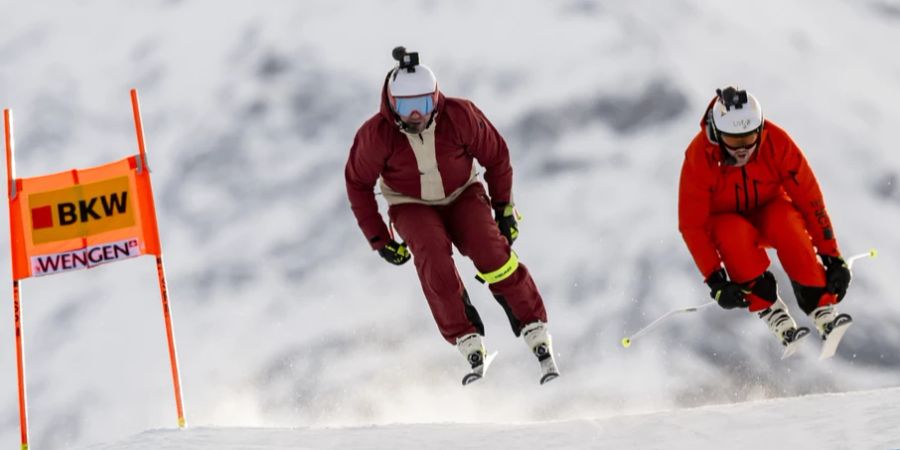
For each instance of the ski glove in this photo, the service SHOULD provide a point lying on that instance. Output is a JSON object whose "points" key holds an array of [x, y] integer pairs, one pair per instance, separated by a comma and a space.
{"points": [[505, 216], [728, 294], [837, 275], [394, 252]]}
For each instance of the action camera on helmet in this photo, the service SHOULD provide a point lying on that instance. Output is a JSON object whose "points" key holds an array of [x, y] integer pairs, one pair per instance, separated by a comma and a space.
{"points": [[732, 98], [408, 60]]}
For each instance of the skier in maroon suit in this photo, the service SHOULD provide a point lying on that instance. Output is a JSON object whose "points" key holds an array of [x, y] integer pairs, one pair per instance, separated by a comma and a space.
{"points": [[422, 146]]}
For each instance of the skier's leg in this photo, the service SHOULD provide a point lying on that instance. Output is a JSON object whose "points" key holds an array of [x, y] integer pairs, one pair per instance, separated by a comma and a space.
{"points": [[424, 232], [477, 236], [738, 243], [741, 248], [784, 227], [475, 233]]}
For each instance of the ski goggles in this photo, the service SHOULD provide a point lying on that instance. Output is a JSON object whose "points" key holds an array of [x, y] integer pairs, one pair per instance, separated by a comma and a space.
{"points": [[405, 106], [747, 146]]}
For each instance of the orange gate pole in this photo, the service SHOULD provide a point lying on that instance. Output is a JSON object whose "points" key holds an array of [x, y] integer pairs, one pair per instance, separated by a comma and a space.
{"points": [[20, 366], [163, 291], [17, 304]]}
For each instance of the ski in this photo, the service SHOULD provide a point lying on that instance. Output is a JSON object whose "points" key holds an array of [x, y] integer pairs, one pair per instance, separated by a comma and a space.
{"points": [[480, 371], [796, 338], [831, 340]]}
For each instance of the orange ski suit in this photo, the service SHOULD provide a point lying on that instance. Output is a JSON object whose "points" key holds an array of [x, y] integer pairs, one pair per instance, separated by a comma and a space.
{"points": [[730, 215]]}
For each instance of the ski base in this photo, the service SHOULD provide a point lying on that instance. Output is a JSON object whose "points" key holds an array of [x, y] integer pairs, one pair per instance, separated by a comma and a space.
{"points": [[830, 344], [796, 340], [480, 372]]}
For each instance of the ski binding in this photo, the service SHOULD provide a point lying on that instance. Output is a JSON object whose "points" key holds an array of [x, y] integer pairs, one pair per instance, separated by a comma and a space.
{"points": [[480, 371], [791, 347]]}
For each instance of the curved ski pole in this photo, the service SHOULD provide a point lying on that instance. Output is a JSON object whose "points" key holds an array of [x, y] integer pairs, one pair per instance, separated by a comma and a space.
{"points": [[626, 341], [870, 254]]}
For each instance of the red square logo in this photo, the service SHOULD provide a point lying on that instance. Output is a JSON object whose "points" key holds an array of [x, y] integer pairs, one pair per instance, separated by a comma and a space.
{"points": [[41, 217]]}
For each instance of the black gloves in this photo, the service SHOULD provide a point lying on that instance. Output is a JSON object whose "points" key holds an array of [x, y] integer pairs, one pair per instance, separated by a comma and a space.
{"points": [[837, 275], [394, 252], [729, 295], [505, 216]]}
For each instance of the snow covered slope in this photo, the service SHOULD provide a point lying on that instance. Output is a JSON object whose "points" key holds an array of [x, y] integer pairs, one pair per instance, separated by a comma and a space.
{"points": [[283, 316], [857, 420]]}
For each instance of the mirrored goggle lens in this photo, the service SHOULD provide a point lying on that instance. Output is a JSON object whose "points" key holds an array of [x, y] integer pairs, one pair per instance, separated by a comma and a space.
{"points": [[406, 105]]}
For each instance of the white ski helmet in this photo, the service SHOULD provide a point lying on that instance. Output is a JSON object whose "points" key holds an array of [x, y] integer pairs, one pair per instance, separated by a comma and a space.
{"points": [[411, 79], [735, 112], [404, 83]]}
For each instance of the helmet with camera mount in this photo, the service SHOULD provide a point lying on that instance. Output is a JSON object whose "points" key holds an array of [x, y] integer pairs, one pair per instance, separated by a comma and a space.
{"points": [[735, 112], [412, 87]]}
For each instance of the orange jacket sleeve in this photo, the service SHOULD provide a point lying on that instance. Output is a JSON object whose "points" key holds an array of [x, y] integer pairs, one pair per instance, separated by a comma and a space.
{"points": [[800, 183], [694, 200]]}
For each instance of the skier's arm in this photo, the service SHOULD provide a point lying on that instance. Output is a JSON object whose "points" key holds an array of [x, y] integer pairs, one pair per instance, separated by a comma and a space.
{"points": [[800, 183], [694, 198], [363, 168], [489, 148]]}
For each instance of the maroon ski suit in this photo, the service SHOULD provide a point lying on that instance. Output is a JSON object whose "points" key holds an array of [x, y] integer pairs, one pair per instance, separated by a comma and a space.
{"points": [[435, 200]]}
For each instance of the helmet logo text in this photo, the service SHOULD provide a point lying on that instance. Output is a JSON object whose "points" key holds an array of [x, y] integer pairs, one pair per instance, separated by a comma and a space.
{"points": [[743, 123]]}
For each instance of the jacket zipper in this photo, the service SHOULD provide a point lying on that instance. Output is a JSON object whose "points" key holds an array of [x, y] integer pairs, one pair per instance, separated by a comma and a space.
{"points": [[746, 191], [756, 193]]}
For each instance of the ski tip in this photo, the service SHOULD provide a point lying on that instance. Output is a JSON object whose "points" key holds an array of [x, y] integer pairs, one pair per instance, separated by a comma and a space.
{"points": [[548, 377], [489, 359], [626, 342]]}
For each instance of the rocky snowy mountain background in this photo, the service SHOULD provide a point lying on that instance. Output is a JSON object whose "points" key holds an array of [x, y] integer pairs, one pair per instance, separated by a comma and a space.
{"points": [[285, 318]]}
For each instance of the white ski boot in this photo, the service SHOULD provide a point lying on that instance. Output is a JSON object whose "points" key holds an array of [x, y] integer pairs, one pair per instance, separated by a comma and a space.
{"points": [[538, 340], [472, 347], [831, 327], [783, 326]]}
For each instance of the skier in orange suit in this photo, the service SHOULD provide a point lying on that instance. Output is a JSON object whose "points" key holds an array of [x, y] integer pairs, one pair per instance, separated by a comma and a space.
{"points": [[746, 186]]}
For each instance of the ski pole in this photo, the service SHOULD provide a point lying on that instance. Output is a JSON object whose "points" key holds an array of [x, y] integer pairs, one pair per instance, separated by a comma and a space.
{"points": [[626, 341], [870, 254]]}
